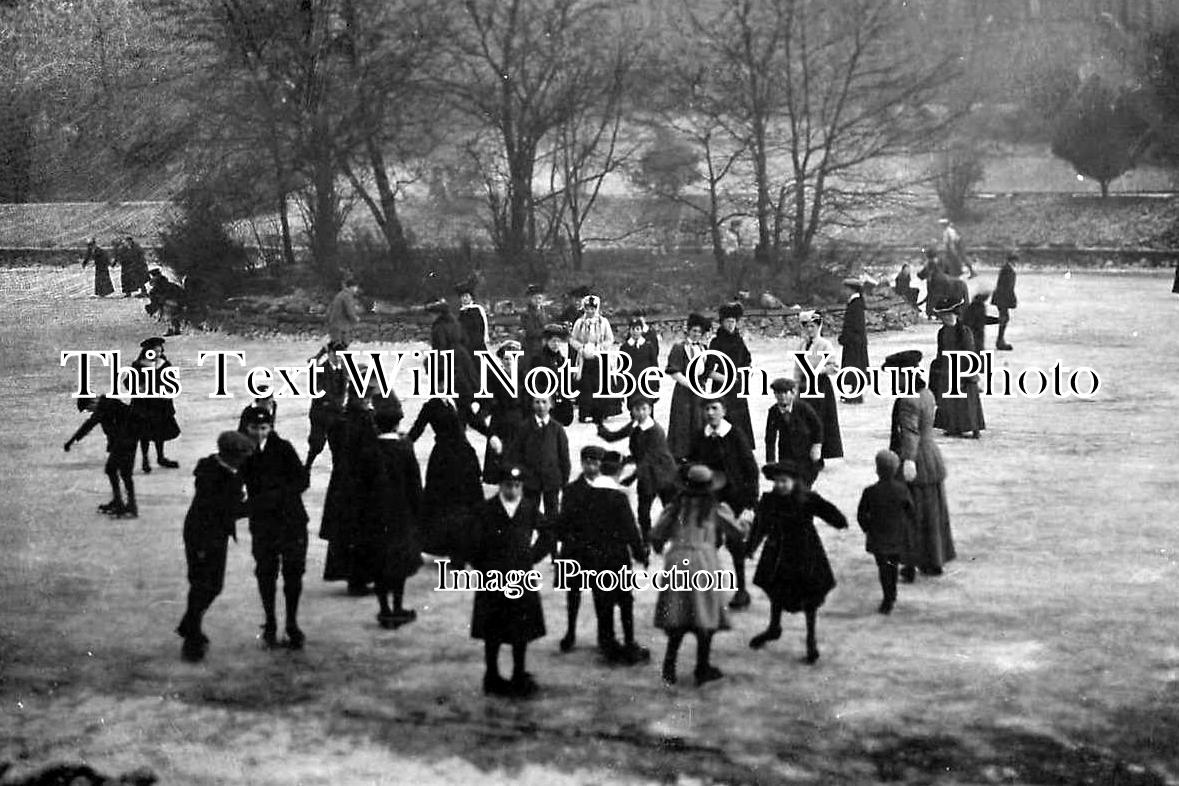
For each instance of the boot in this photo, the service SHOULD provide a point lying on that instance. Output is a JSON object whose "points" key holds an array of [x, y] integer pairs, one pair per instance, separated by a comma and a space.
{"points": [[1001, 341], [771, 633]]}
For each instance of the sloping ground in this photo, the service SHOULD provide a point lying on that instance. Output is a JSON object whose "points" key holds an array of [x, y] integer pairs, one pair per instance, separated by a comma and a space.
{"points": [[71, 224]]}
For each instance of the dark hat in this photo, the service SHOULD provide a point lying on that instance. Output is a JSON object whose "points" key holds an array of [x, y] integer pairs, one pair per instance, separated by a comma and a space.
{"points": [[337, 346], [437, 305], [256, 416], [612, 457], [511, 345], [592, 453], [909, 358], [947, 305], [83, 402], [579, 292], [731, 311], [555, 329], [591, 301], [783, 467], [982, 296], [637, 321], [783, 384], [151, 343], [511, 473], [233, 443], [534, 289], [1012, 256], [700, 321], [155, 271], [637, 399], [930, 252], [466, 286]]}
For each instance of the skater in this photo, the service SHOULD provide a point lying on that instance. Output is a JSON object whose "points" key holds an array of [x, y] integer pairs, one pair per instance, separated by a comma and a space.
{"points": [[824, 403], [687, 407], [954, 250], [542, 449], [975, 317], [937, 283], [132, 262], [472, 318], [102, 265], [793, 569], [532, 324], [551, 356], [156, 416], [122, 438], [275, 480], [962, 415], [728, 341], [794, 431], [266, 403], [504, 530], [390, 519], [723, 449], [446, 335], [642, 351], [166, 301], [930, 544], [332, 378], [1005, 300], [854, 336], [614, 544], [903, 286], [353, 440], [574, 530], [655, 467], [692, 524], [591, 337], [211, 521], [343, 314], [886, 516]]}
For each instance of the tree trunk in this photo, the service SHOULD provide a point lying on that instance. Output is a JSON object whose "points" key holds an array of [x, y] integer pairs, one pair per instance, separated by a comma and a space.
{"points": [[1104, 188], [764, 249], [390, 220], [284, 222]]}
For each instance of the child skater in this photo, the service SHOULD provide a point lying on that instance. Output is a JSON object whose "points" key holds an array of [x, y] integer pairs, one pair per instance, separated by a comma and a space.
{"points": [[210, 523], [392, 518], [691, 523], [505, 526], [574, 530], [265, 403], [122, 439], [616, 543], [654, 465], [793, 569], [886, 515]]}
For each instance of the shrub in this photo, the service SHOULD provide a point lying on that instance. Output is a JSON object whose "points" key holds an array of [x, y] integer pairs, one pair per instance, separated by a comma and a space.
{"points": [[956, 172], [198, 248]]}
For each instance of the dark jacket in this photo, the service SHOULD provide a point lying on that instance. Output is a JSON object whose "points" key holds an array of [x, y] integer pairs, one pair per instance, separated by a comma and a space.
{"points": [[616, 540], [447, 335], [543, 452], [732, 455], [791, 435], [1004, 296], [576, 524], [118, 424], [736, 406], [655, 466], [275, 480], [532, 323], [854, 336], [793, 568], [886, 515], [217, 504], [501, 543], [912, 436], [562, 410]]}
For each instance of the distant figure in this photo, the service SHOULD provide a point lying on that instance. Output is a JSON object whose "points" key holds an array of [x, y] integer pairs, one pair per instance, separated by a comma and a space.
{"points": [[472, 318], [102, 266], [1175, 286], [956, 416], [854, 336], [975, 317], [1004, 298], [165, 301], [532, 323], [936, 281], [344, 313], [903, 286], [953, 250], [129, 256]]}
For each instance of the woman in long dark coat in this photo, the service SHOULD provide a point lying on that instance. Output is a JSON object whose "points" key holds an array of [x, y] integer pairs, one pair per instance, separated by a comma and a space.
{"points": [[102, 268], [352, 439], [453, 484], [825, 406], [793, 569], [728, 341], [955, 416], [155, 417], [447, 335], [854, 336], [506, 413], [687, 408], [930, 545]]}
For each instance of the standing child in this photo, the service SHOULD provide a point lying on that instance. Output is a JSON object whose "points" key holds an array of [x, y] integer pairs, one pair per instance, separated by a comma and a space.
{"points": [[121, 440], [275, 480], [156, 416], [265, 403], [506, 525], [793, 569], [575, 529], [541, 447], [210, 523], [655, 467], [794, 431], [1005, 300], [692, 524], [886, 516]]}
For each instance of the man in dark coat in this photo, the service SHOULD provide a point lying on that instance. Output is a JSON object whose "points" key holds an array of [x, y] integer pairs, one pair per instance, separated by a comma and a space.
{"points": [[794, 431], [886, 516], [532, 323], [102, 265], [541, 447], [574, 530], [722, 448], [122, 438], [728, 341], [509, 536], [133, 263], [936, 281], [446, 335], [1005, 300], [854, 336], [211, 521], [275, 480]]}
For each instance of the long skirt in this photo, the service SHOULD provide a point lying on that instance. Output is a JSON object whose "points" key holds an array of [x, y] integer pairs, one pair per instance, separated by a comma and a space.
{"points": [[699, 611], [930, 543], [589, 404], [960, 415], [828, 412], [102, 281]]}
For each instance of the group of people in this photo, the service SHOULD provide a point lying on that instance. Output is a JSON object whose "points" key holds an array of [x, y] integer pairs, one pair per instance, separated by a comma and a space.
{"points": [[131, 260]]}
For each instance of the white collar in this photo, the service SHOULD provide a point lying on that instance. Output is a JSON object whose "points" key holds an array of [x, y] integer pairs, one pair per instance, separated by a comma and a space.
{"points": [[262, 444], [542, 422], [390, 435], [232, 471], [854, 295], [605, 482], [722, 430], [510, 507], [636, 343], [650, 424]]}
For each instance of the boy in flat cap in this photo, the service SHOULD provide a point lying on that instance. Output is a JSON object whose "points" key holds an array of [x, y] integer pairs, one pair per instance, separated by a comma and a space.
{"points": [[208, 526], [275, 480], [794, 431], [886, 516], [122, 437], [575, 531]]}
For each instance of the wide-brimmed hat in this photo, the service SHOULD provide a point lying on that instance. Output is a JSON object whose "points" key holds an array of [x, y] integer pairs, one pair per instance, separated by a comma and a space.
{"points": [[948, 305], [698, 479], [555, 330], [810, 316], [731, 311], [783, 467], [908, 358], [152, 343], [700, 321]]}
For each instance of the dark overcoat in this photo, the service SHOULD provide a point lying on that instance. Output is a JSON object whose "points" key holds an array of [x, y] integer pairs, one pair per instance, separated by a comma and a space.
{"points": [[854, 336], [793, 569], [886, 515], [502, 543]]}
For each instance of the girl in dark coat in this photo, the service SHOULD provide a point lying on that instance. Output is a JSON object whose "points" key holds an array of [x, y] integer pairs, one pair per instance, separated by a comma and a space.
{"points": [[955, 416], [793, 569], [102, 266], [825, 407], [156, 416], [854, 336], [391, 517], [353, 441], [453, 484], [687, 408], [729, 342], [505, 413]]}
